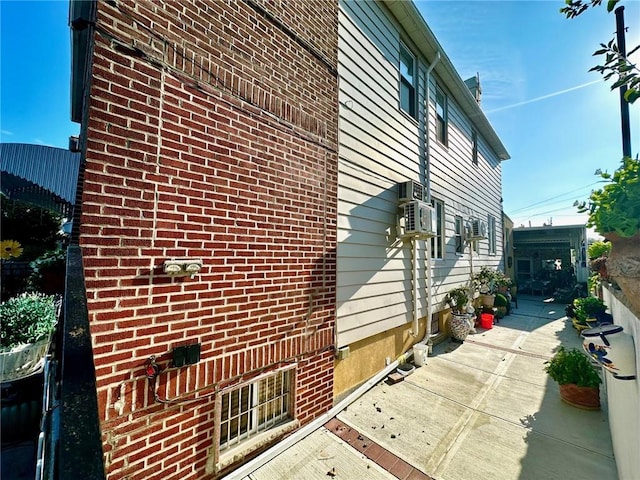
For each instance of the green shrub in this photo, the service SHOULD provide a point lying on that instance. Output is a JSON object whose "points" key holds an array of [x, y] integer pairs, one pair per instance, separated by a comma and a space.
{"points": [[616, 206], [500, 301], [572, 366], [598, 249], [458, 298], [588, 307], [26, 319]]}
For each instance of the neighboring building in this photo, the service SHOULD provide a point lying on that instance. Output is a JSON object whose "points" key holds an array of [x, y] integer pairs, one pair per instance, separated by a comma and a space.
{"points": [[508, 256], [390, 132], [209, 134], [210, 148], [544, 253]]}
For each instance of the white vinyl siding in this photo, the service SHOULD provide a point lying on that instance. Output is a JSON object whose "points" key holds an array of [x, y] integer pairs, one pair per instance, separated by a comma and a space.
{"points": [[379, 146]]}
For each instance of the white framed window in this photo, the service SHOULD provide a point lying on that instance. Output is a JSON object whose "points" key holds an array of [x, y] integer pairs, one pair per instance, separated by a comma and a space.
{"points": [[459, 234], [491, 234], [441, 116], [474, 147], [407, 69], [254, 409], [437, 242]]}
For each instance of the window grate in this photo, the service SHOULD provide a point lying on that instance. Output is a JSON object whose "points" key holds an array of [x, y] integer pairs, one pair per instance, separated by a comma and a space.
{"points": [[254, 408]]}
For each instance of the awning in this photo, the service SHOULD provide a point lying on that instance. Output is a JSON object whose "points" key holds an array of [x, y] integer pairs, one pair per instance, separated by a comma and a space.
{"points": [[44, 176]]}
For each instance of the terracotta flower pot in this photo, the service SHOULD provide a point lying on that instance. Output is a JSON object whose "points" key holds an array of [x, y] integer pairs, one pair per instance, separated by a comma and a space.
{"points": [[581, 397], [623, 265]]}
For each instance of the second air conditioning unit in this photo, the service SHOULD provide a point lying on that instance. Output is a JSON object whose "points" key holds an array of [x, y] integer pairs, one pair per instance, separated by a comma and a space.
{"points": [[411, 190], [419, 219], [475, 230]]}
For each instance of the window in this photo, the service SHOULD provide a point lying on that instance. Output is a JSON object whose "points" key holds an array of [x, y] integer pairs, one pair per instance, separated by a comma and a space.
{"points": [[255, 408], [459, 235], [437, 242], [492, 234], [474, 148], [441, 116], [435, 323], [407, 82]]}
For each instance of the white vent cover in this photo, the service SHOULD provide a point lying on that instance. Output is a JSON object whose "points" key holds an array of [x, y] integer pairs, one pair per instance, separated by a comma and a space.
{"points": [[419, 219]]}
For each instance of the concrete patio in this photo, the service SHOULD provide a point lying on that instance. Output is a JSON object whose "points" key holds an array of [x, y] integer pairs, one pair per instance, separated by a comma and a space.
{"points": [[484, 409]]}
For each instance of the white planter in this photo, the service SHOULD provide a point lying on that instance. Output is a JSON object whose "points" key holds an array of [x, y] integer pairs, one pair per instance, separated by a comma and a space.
{"points": [[23, 360]]}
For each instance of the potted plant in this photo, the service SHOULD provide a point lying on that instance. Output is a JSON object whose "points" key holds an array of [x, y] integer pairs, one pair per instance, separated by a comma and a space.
{"points": [[578, 379], [48, 273], [485, 283], [26, 324], [614, 211], [588, 309], [598, 253], [501, 303], [460, 323]]}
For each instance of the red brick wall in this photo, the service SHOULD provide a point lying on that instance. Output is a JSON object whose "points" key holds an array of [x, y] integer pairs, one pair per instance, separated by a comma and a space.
{"points": [[211, 134]]}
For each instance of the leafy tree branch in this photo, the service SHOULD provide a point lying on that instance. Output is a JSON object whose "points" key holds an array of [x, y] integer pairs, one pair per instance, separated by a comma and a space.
{"points": [[615, 63]]}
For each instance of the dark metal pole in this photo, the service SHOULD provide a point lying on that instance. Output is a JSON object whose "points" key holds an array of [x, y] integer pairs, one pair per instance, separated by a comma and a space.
{"points": [[624, 105]]}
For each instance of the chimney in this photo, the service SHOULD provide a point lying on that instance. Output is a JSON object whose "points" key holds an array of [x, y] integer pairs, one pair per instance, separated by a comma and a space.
{"points": [[473, 84]]}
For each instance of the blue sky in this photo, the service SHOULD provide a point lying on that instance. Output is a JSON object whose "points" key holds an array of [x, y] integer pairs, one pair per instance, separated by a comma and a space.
{"points": [[558, 121]]}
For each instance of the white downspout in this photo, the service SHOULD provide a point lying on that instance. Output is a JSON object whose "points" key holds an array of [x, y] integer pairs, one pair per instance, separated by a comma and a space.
{"points": [[426, 124], [427, 336], [414, 279]]}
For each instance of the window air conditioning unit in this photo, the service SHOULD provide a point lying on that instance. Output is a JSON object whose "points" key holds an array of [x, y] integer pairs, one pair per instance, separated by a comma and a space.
{"points": [[475, 230], [419, 219], [410, 191]]}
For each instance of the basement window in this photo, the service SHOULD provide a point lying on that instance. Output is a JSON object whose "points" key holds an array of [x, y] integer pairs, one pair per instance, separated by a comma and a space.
{"points": [[255, 413]]}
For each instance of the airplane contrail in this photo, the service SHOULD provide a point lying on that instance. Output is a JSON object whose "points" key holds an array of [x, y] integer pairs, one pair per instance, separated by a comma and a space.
{"points": [[544, 97]]}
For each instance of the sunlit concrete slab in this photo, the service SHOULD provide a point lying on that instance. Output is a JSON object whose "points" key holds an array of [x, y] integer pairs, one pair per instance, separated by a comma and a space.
{"points": [[320, 456], [528, 367], [540, 408], [499, 450], [477, 410], [406, 419], [472, 355]]}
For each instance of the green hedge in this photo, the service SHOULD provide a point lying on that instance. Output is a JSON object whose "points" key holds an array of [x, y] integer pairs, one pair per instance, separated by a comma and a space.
{"points": [[26, 319]]}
